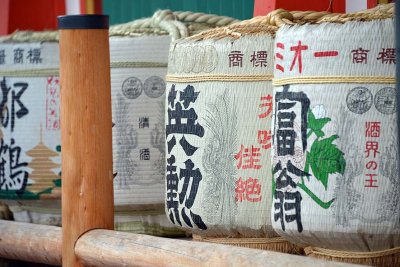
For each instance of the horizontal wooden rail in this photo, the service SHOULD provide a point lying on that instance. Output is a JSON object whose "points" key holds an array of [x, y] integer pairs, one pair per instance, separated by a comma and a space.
{"points": [[30, 242], [42, 244]]}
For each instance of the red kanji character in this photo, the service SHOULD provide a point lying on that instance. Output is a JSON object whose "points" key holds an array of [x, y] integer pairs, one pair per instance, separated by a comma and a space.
{"points": [[360, 55], [371, 165], [371, 146], [326, 54], [264, 137], [268, 104], [249, 190], [279, 56], [387, 56], [253, 190], [297, 56], [372, 129], [240, 190], [370, 180], [248, 158]]}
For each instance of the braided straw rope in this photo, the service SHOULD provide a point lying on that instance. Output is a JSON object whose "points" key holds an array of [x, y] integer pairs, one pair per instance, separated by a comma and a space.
{"points": [[254, 26], [262, 24], [278, 244], [56, 72], [199, 22], [31, 36], [217, 77], [209, 19], [277, 18], [128, 64], [178, 24], [384, 11], [387, 257], [30, 72], [334, 79], [351, 254]]}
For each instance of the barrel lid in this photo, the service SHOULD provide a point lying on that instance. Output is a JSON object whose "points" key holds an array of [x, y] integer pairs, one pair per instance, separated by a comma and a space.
{"points": [[83, 22]]}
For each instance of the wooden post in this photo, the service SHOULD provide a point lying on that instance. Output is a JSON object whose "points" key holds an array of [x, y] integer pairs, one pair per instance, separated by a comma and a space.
{"points": [[104, 248], [87, 184], [30, 242], [118, 249]]}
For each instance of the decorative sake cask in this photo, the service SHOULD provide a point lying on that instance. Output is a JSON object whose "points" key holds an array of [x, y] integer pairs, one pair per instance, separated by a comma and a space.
{"points": [[335, 151], [30, 149], [218, 135], [31, 157], [139, 57]]}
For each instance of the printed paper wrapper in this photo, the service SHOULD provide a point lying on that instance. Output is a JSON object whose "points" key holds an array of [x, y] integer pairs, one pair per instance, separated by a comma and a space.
{"points": [[218, 180], [30, 162], [335, 154], [138, 68]]}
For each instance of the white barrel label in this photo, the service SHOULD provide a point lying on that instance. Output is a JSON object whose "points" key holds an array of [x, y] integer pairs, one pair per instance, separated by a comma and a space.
{"points": [[335, 154]]}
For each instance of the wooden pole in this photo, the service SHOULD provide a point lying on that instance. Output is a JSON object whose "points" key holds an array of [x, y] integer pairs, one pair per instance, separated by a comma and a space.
{"points": [[30, 242], [87, 185], [104, 248], [120, 249]]}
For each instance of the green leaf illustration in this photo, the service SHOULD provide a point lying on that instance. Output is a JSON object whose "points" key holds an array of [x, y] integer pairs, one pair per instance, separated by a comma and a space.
{"points": [[46, 191], [322, 204], [326, 158], [316, 125], [57, 182], [13, 194]]}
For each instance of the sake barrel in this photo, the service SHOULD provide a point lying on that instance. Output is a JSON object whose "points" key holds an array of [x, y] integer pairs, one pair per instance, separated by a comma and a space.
{"points": [[139, 57], [30, 149], [218, 135], [335, 140]]}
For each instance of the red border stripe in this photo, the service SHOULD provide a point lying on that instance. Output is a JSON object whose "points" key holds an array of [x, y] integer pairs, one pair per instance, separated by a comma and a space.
{"points": [[326, 54]]}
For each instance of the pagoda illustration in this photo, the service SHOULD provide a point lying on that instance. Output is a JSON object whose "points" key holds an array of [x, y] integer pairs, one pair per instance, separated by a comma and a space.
{"points": [[42, 165]]}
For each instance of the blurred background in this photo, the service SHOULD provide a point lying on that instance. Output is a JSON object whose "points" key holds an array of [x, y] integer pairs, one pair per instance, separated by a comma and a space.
{"points": [[41, 14], [125, 10]]}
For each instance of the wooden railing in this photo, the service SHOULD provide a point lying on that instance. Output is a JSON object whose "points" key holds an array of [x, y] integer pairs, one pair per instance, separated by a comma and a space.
{"points": [[42, 244], [87, 195]]}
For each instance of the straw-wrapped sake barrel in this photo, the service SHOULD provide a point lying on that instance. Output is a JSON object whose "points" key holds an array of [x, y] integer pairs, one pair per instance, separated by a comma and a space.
{"points": [[218, 135], [30, 177], [139, 57], [335, 147]]}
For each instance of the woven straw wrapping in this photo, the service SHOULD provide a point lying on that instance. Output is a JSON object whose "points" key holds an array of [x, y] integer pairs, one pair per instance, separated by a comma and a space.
{"points": [[217, 112], [335, 156], [139, 57], [138, 49], [232, 101]]}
